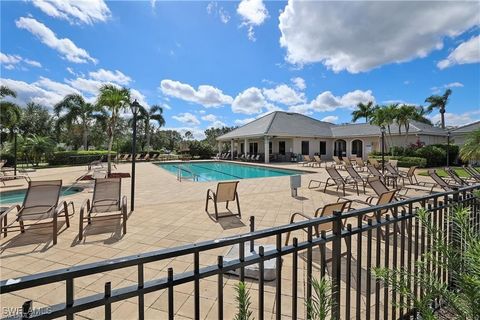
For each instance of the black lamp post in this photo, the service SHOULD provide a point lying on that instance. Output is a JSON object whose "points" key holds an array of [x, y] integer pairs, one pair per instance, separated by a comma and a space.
{"points": [[15, 131], [448, 148], [382, 128], [135, 107]]}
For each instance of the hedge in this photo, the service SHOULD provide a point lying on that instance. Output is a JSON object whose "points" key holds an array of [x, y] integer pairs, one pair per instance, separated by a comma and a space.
{"points": [[9, 157], [76, 157], [406, 161]]}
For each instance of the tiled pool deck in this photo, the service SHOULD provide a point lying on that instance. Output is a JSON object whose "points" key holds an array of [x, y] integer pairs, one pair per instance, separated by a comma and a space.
{"points": [[167, 213]]}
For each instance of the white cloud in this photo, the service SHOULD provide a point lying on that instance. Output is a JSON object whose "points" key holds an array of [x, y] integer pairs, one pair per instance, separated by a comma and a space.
{"points": [[110, 76], [64, 46], [332, 119], [455, 84], [327, 101], [210, 117], [75, 11], [198, 133], [187, 118], [165, 106], [454, 119], [217, 124], [284, 94], [214, 9], [214, 121], [10, 60], [253, 13], [135, 94], [250, 101], [241, 122], [206, 95], [44, 91], [467, 52], [299, 83], [70, 70], [327, 32]]}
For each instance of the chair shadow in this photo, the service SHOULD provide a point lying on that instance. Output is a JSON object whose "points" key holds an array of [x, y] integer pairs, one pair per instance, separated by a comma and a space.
{"points": [[34, 236], [101, 227], [227, 219], [12, 185]]}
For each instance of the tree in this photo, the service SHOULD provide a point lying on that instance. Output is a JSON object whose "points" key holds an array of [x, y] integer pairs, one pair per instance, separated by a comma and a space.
{"points": [[420, 115], [188, 135], [37, 147], [155, 113], [440, 103], [211, 134], [470, 151], [384, 116], [74, 110], [6, 91], [364, 111], [36, 119], [10, 113], [114, 99]]}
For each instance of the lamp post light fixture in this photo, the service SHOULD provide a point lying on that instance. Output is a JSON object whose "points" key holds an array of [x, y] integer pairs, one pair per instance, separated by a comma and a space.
{"points": [[448, 148], [135, 107], [382, 128]]}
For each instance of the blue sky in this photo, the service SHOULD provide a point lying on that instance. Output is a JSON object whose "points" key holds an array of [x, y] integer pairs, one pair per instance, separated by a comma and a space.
{"points": [[226, 63]]}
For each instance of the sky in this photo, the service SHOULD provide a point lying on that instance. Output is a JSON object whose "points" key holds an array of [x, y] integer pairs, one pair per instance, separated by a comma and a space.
{"points": [[216, 63]]}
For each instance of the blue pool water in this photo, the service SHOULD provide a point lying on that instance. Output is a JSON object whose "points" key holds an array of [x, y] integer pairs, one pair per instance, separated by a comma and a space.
{"points": [[17, 196], [216, 171]]}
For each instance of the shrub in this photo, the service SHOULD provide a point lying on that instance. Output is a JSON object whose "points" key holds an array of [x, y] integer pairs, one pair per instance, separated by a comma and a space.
{"points": [[406, 161], [453, 152], [201, 149], [76, 157], [9, 157], [435, 156]]}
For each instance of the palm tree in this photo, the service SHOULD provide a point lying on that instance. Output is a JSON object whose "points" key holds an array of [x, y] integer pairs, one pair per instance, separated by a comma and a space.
{"points": [[420, 115], [155, 113], [114, 99], [37, 147], [470, 151], [77, 111], [363, 111], [188, 135], [384, 116], [10, 113], [440, 103]]}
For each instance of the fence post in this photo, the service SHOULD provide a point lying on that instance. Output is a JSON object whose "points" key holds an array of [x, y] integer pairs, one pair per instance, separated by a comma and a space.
{"points": [[252, 229], [454, 234], [336, 263]]}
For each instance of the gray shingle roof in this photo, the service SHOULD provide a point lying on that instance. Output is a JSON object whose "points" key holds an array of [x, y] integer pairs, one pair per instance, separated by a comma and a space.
{"points": [[289, 124], [467, 128]]}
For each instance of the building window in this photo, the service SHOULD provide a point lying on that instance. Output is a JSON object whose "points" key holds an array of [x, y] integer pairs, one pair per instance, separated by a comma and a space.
{"points": [[281, 147], [357, 148], [323, 148], [253, 148], [305, 147], [270, 147], [242, 147]]}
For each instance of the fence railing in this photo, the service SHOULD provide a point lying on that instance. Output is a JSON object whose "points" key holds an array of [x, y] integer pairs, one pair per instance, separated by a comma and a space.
{"points": [[389, 236]]}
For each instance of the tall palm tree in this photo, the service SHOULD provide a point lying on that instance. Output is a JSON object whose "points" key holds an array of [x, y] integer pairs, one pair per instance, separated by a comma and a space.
{"points": [[440, 103], [155, 113], [404, 115], [420, 115], [10, 112], [73, 109], [115, 100], [364, 111], [470, 151], [384, 116]]}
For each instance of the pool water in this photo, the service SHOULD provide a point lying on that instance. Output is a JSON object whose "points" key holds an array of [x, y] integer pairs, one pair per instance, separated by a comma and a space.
{"points": [[216, 171], [17, 196]]}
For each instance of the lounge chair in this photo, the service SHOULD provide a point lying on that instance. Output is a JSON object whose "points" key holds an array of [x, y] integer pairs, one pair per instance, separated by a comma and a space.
{"points": [[473, 169], [472, 172], [107, 204], [154, 157], [374, 172], [41, 203], [446, 186], [374, 162], [360, 164], [306, 160], [347, 162], [226, 192], [354, 175], [256, 158], [392, 174], [457, 179], [324, 211], [337, 162], [4, 177], [393, 162], [317, 161], [337, 180]]}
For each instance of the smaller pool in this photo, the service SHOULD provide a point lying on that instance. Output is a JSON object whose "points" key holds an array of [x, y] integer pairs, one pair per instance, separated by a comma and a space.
{"points": [[17, 196]]}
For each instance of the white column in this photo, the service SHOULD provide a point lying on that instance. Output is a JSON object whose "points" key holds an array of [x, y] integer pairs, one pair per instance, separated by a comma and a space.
{"points": [[245, 147], [231, 149], [219, 146], [267, 151]]}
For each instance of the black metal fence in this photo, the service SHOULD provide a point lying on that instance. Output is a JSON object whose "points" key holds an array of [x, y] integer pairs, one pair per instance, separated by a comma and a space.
{"points": [[388, 236]]}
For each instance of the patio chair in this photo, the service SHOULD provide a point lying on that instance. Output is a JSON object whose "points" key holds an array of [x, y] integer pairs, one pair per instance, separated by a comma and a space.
{"points": [[374, 172], [337, 162], [354, 175], [107, 204], [337, 180], [41, 203], [307, 161], [360, 164], [324, 211], [4, 177], [472, 172], [347, 162], [256, 158], [380, 188], [392, 174], [393, 162], [154, 157], [226, 192], [317, 161], [447, 186], [473, 169], [456, 178], [374, 162]]}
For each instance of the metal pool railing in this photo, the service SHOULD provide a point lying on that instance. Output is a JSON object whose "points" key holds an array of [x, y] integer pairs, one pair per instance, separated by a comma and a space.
{"points": [[356, 248], [180, 173]]}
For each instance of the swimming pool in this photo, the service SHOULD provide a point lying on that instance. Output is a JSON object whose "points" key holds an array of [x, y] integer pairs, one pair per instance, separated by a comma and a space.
{"points": [[216, 171], [17, 196]]}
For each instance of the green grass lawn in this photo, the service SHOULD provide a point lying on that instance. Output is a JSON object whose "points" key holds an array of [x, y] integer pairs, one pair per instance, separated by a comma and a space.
{"points": [[460, 171]]}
